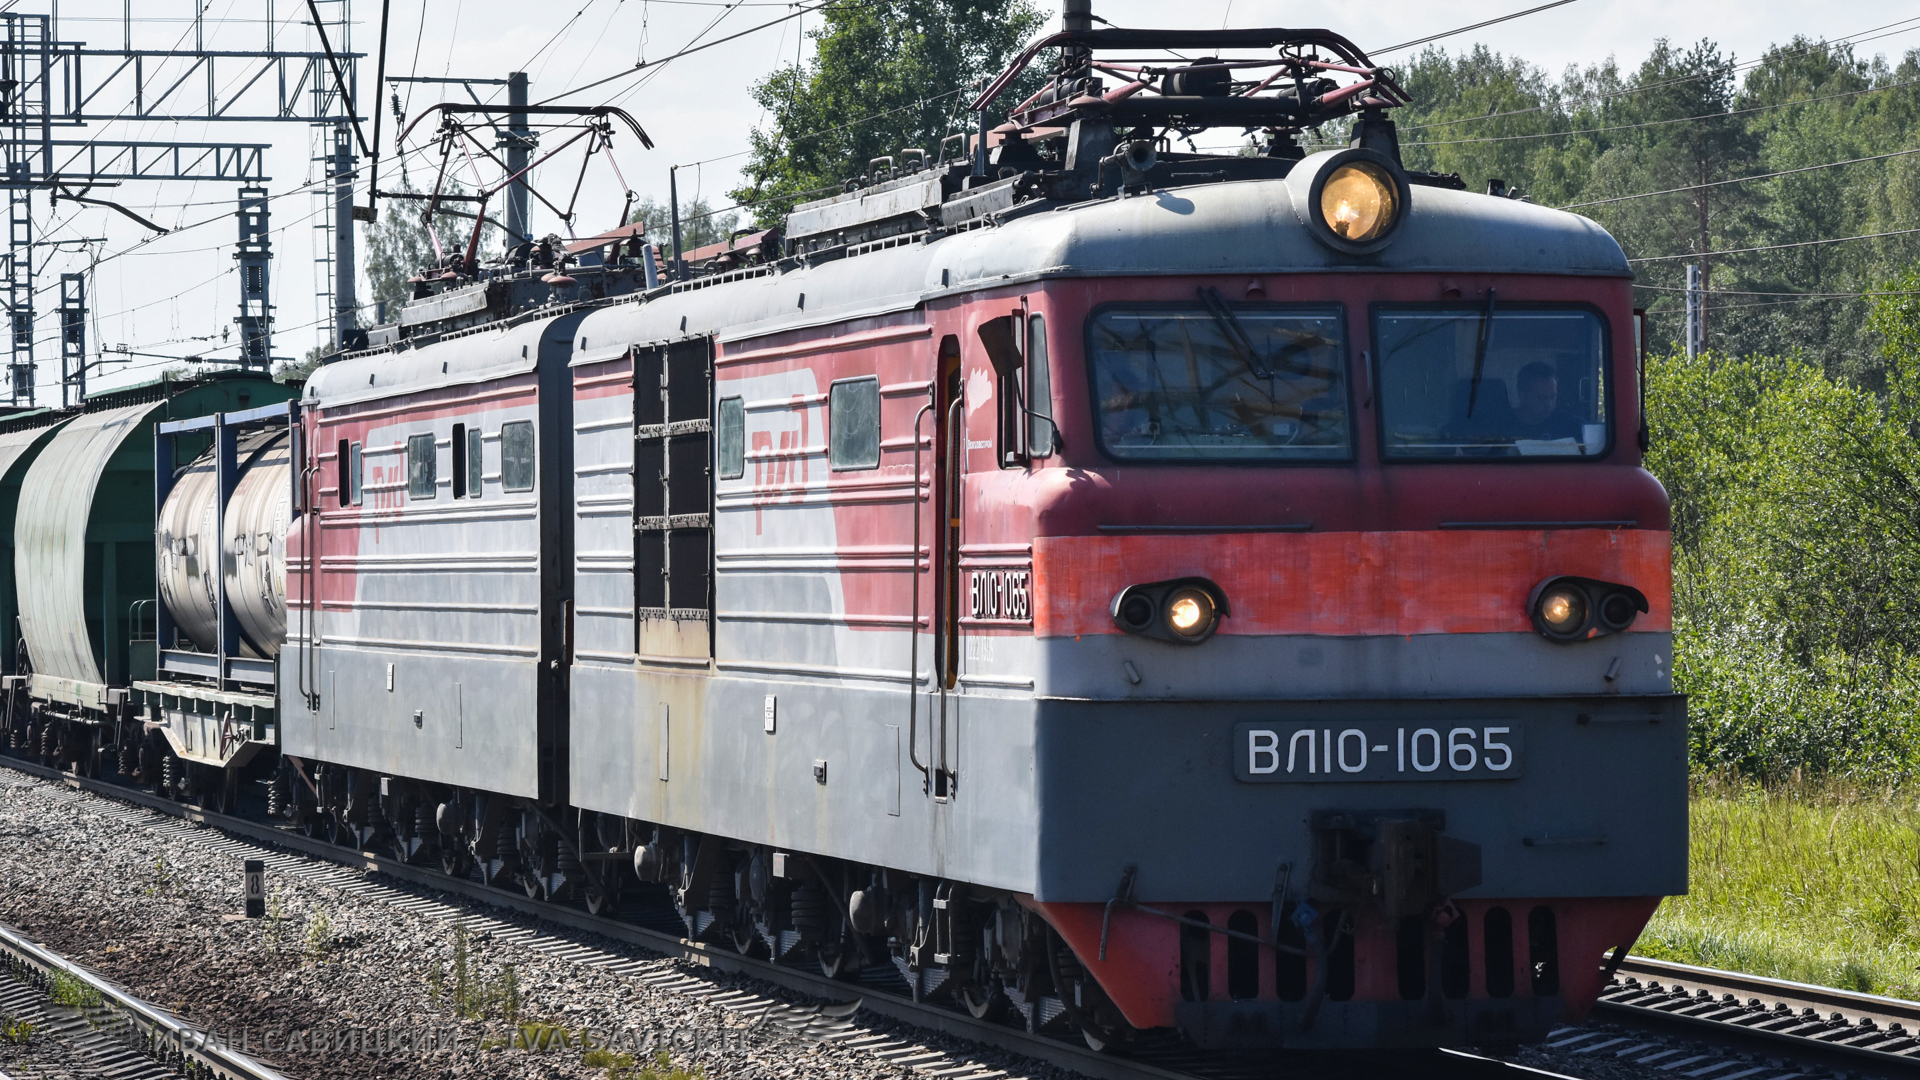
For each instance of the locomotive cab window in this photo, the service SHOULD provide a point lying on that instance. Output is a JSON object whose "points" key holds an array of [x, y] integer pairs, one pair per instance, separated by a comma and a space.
{"points": [[1040, 438], [733, 438], [516, 455], [1490, 381], [853, 424], [422, 467], [1232, 382]]}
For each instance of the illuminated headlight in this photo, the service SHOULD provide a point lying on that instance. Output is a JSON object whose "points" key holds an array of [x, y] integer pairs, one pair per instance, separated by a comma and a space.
{"points": [[1563, 610], [1353, 200], [1567, 609], [1359, 202], [1186, 611], [1190, 613]]}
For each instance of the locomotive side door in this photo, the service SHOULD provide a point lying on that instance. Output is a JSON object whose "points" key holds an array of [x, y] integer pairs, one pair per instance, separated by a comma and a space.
{"points": [[949, 464]]}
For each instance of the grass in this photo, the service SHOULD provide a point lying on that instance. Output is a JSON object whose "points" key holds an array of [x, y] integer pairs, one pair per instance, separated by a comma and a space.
{"points": [[72, 992], [1814, 882]]}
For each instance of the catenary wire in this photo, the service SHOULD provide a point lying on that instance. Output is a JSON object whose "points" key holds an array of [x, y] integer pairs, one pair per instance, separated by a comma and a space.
{"points": [[1775, 247], [1465, 29]]}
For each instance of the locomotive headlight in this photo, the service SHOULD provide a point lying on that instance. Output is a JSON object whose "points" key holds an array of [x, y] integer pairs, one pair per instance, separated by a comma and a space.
{"points": [[1569, 609], [1563, 609], [1354, 201], [1360, 202], [1190, 613], [1185, 611]]}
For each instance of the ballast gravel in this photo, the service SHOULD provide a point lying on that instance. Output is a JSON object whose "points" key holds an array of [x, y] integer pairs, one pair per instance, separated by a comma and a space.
{"points": [[351, 985], [334, 984]]}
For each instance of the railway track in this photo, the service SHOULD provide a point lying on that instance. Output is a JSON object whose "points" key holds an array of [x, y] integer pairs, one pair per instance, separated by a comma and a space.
{"points": [[118, 1034], [1703, 1048], [1817, 1022]]}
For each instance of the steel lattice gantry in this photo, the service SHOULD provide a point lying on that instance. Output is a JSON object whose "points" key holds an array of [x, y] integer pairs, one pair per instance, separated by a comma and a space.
{"points": [[47, 85]]}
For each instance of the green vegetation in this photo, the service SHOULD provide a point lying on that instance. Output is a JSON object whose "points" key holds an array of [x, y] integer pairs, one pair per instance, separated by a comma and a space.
{"points": [[320, 937], [15, 1032], [471, 995], [621, 1066], [885, 75], [73, 992], [1813, 882]]}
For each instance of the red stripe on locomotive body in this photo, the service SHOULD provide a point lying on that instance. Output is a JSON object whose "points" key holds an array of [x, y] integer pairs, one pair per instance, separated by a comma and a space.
{"points": [[1413, 582]]}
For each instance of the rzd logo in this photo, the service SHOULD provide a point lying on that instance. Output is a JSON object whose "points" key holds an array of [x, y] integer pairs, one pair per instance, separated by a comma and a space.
{"points": [[999, 594]]}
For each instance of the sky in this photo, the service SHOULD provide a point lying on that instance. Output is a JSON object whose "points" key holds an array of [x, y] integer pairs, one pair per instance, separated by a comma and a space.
{"points": [[176, 295]]}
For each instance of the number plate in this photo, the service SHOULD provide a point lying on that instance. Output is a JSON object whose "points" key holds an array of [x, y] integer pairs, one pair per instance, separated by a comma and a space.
{"points": [[1373, 751]]}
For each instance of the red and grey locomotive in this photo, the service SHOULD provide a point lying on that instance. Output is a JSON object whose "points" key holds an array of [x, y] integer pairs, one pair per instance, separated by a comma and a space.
{"points": [[1124, 587]]}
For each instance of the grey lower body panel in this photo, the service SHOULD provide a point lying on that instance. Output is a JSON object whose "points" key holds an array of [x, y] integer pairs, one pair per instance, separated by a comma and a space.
{"points": [[692, 752], [458, 719], [1311, 666], [1596, 806]]}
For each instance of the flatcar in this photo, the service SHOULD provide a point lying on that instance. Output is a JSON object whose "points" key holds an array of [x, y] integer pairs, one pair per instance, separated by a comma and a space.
{"points": [[1114, 588]]}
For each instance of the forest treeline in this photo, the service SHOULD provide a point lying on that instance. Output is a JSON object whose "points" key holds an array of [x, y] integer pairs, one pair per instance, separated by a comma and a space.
{"points": [[1695, 122]]}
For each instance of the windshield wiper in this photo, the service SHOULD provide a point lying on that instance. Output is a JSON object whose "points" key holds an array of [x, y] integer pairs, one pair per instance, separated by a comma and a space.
{"points": [[1235, 333], [1480, 353]]}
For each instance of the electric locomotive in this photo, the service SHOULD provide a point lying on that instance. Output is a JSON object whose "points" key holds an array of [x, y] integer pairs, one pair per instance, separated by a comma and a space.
{"points": [[1110, 587]]}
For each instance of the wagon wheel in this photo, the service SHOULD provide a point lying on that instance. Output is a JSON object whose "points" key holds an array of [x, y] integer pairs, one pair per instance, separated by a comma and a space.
{"points": [[223, 792]]}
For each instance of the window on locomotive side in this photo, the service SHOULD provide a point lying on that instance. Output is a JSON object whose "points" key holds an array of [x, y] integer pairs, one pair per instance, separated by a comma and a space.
{"points": [[476, 460], [1238, 383], [853, 424], [1531, 382], [341, 483], [516, 455], [459, 445], [356, 471], [423, 477], [733, 438]]}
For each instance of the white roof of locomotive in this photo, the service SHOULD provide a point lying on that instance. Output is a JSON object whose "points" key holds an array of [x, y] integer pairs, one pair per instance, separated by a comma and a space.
{"points": [[1246, 227]]}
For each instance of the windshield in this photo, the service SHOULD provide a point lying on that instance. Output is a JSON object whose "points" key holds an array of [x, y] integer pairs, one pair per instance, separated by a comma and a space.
{"points": [[1534, 385], [1240, 382]]}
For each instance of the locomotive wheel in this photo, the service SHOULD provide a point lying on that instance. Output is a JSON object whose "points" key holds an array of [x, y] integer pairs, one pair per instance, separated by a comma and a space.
{"points": [[840, 960], [983, 1002], [1098, 1022], [746, 940], [454, 861], [603, 901], [338, 831]]}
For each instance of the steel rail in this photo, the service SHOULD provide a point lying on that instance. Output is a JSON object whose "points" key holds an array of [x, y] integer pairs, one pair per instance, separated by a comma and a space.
{"points": [[1454, 1064], [1813, 1019], [161, 1034]]}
